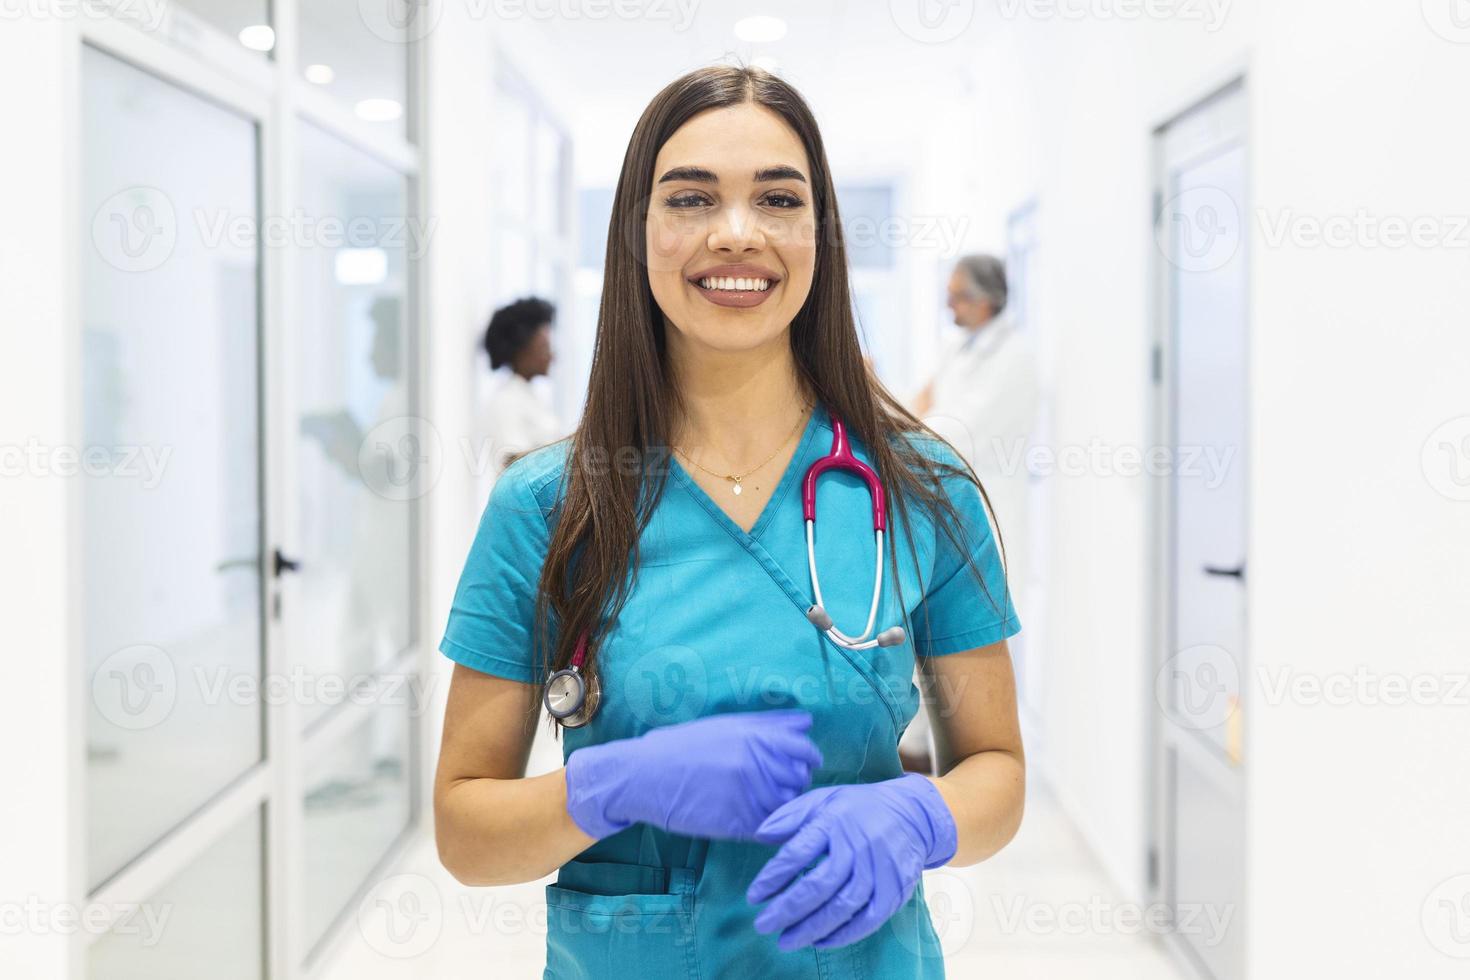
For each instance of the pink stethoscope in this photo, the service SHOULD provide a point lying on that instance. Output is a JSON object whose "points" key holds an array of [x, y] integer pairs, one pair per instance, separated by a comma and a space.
{"points": [[567, 698]]}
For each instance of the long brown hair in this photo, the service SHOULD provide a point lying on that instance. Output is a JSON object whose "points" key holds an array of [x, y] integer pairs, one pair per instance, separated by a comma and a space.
{"points": [[606, 496]]}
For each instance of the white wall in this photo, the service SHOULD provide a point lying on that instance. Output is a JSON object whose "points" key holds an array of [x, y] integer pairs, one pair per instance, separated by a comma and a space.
{"points": [[1361, 353], [40, 848], [457, 141], [1358, 354]]}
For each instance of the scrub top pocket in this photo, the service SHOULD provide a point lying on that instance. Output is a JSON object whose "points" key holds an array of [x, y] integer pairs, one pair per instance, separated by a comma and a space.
{"points": [[608, 919]]}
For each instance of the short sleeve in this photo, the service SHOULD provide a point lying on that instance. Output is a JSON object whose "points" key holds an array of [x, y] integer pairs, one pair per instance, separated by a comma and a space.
{"points": [[956, 614], [492, 619]]}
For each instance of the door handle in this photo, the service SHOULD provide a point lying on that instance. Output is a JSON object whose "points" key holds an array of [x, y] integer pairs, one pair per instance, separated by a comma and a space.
{"points": [[229, 564], [1237, 572], [284, 564]]}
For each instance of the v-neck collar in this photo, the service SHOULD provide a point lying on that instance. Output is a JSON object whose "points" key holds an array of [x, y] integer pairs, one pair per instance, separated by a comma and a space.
{"points": [[795, 469]]}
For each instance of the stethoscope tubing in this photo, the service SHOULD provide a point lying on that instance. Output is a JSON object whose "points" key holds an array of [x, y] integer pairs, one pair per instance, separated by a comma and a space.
{"points": [[833, 633], [565, 692]]}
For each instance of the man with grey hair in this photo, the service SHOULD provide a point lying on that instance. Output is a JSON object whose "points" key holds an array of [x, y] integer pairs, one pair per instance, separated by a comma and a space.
{"points": [[983, 400]]}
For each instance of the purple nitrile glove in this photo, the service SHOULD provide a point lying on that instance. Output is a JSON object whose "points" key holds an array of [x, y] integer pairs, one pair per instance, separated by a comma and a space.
{"points": [[878, 837], [718, 776]]}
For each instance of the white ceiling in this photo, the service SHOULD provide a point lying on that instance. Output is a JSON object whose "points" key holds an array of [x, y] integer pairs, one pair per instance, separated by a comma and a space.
{"points": [[853, 61], [858, 43]]}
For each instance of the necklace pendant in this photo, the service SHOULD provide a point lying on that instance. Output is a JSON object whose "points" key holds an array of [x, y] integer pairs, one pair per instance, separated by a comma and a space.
{"points": [[736, 490]]}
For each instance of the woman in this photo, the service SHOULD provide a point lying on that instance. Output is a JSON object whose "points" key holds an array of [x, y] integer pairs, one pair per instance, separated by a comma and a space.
{"points": [[731, 742], [518, 339]]}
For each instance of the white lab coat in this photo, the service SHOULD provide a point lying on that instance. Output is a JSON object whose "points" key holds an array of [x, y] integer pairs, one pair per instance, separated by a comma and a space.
{"points": [[985, 401], [516, 419], [985, 397]]}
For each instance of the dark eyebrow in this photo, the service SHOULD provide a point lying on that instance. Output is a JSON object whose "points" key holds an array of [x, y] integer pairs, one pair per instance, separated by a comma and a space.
{"points": [[700, 175], [782, 172]]}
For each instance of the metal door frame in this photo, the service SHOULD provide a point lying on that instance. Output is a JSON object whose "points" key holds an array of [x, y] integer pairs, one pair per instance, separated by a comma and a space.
{"points": [[1160, 499], [271, 94]]}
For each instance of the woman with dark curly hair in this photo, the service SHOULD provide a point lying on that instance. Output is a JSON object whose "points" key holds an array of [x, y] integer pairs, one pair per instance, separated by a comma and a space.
{"points": [[518, 341]]}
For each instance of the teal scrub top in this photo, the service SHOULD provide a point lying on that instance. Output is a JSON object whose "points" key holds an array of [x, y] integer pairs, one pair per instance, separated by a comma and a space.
{"points": [[715, 623]]}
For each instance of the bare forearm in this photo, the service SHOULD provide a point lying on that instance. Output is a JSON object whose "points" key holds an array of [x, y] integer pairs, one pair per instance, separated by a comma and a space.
{"points": [[986, 793], [504, 831]]}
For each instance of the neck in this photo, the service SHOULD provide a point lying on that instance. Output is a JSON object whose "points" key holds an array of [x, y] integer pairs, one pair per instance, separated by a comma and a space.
{"points": [[738, 406]]}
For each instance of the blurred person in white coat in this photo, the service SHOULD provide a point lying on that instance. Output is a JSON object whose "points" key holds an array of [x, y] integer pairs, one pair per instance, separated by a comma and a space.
{"points": [[517, 418], [983, 400]]}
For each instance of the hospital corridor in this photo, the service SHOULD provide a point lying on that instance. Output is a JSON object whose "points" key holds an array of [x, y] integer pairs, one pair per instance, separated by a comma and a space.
{"points": [[657, 489]]}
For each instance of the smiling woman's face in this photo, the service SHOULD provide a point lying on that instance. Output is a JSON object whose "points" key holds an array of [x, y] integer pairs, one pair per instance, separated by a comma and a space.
{"points": [[731, 227]]}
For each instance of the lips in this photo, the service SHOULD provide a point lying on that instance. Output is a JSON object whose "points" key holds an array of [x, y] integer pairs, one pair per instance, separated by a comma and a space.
{"points": [[740, 286]]}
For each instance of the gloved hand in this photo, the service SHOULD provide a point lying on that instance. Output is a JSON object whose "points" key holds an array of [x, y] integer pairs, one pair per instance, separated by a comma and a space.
{"points": [[718, 776], [878, 838]]}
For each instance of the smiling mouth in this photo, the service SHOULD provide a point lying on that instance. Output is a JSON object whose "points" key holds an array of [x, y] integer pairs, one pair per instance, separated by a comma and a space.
{"points": [[736, 284]]}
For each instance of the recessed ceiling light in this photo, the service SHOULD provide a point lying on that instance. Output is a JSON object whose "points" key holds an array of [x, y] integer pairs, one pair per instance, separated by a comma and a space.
{"points": [[760, 29], [258, 37], [320, 74], [360, 266], [379, 110]]}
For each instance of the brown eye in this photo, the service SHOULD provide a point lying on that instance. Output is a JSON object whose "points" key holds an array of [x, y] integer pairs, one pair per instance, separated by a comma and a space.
{"points": [[784, 201], [687, 200]]}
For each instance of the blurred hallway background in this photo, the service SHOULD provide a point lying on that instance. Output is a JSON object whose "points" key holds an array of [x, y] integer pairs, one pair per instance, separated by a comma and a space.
{"points": [[248, 257]]}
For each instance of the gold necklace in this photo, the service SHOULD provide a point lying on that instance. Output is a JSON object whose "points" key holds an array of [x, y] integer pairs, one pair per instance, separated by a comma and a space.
{"points": [[733, 477]]}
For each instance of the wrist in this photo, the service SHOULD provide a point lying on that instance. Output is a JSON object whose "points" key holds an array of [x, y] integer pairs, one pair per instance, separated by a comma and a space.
{"points": [[935, 821], [591, 795]]}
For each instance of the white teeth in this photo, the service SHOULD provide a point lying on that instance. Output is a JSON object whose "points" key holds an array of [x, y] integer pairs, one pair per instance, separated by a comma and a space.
{"points": [[740, 283]]}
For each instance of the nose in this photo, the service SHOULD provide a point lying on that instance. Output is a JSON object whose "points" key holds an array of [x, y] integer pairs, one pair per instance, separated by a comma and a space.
{"points": [[736, 229]]}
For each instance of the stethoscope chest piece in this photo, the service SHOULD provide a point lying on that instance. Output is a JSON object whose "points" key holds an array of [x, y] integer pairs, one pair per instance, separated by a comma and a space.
{"points": [[568, 697]]}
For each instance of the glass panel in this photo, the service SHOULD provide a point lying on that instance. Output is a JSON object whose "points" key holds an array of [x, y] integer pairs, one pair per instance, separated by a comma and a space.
{"points": [[247, 21], [208, 920], [357, 803], [594, 212], [170, 559], [358, 53], [869, 227], [358, 463]]}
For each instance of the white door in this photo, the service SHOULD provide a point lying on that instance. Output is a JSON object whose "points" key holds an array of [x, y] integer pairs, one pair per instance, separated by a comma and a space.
{"points": [[1201, 213]]}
